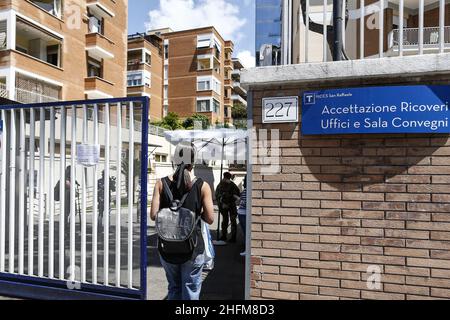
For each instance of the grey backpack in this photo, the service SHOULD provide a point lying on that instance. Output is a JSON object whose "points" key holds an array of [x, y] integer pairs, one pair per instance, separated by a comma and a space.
{"points": [[176, 229]]}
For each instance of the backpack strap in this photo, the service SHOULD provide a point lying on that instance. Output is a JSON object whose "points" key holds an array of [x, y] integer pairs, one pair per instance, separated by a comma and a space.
{"points": [[187, 194], [169, 193], [167, 189]]}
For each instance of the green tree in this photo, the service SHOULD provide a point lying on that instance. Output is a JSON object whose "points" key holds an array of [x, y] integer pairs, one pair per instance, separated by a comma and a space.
{"points": [[189, 123], [239, 114], [170, 122], [239, 111]]}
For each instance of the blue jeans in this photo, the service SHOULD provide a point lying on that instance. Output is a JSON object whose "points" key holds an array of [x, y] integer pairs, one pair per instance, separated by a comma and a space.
{"points": [[185, 280], [243, 223]]}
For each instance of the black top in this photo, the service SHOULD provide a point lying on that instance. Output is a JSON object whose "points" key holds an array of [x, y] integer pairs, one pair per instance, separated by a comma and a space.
{"points": [[193, 202]]}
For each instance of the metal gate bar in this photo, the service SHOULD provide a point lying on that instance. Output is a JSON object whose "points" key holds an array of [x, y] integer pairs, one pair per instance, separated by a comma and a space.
{"points": [[35, 267]]}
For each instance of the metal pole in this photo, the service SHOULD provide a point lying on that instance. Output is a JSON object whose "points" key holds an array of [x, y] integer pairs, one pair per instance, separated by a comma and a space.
{"points": [[221, 174], [338, 30]]}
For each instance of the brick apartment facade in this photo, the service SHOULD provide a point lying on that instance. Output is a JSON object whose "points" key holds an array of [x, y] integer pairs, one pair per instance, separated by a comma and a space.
{"points": [[343, 203], [62, 50], [145, 71], [197, 73]]}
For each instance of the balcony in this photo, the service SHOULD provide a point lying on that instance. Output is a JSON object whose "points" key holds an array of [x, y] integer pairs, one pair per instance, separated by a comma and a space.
{"points": [[137, 65], [99, 47], [139, 91], [99, 8], [37, 43], [237, 87], [23, 95], [98, 88], [29, 89], [227, 102], [227, 83], [411, 40], [229, 46], [26, 96], [238, 98], [228, 64]]}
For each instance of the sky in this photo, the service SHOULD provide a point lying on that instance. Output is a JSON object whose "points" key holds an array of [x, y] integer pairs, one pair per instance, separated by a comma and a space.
{"points": [[234, 19]]}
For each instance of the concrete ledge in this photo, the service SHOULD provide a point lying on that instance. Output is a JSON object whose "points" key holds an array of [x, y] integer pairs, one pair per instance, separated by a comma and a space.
{"points": [[331, 71]]}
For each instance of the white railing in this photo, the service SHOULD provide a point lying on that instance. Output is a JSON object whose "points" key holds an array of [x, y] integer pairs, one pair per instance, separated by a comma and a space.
{"points": [[41, 197], [3, 91], [316, 21], [411, 37], [25, 96], [152, 129], [156, 131]]}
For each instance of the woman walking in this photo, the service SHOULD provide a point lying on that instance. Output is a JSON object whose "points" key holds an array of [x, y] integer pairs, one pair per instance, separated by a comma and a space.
{"points": [[184, 268]]}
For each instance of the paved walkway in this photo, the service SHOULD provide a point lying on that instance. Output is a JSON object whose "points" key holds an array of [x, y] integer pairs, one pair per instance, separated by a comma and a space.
{"points": [[225, 282]]}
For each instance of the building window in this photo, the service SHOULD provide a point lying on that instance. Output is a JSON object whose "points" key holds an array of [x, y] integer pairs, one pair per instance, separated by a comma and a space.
{"points": [[217, 51], [148, 58], [209, 83], [204, 43], [134, 79], [204, 63], [209, 41], [139, 78], [3, 35], [166, 72], [203, 85], [216, 105], [204, 105], [95, 25], [51, 6], [208, 105], [166, 92], [161, 158], [147, 80], [134, 57], [165, 110], [217, 86], [53, 55], [95, 68], [38, 43], [166, 51]]}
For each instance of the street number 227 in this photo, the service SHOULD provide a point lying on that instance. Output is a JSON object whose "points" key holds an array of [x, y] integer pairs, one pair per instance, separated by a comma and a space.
{"points": [[276, 110]]}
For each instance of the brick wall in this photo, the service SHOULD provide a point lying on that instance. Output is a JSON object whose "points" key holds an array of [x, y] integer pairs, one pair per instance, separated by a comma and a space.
{"points": [[344, 203]]}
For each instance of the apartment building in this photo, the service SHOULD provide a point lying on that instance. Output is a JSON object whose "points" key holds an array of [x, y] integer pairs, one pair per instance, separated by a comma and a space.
{"points": [[145, 67], [400, 28], [197, 64], [62, 50]]}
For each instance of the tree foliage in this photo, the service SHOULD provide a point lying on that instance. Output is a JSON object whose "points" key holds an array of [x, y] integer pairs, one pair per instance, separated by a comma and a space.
{"points": [[239, 111], [190, 122], [171, 122]]}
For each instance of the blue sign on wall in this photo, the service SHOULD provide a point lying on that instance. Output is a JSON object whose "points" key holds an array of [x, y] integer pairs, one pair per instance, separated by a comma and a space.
{"points": [[393, 109]]}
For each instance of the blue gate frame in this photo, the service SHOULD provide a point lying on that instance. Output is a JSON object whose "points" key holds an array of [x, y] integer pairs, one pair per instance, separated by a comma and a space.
{"points": [[30, 287]]}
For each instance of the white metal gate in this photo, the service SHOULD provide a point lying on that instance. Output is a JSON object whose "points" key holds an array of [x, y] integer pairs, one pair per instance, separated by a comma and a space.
{"points": [[73, 192]]}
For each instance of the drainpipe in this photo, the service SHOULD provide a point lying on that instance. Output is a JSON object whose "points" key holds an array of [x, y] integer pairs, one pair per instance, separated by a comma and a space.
{"points": [[337, 25]]}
